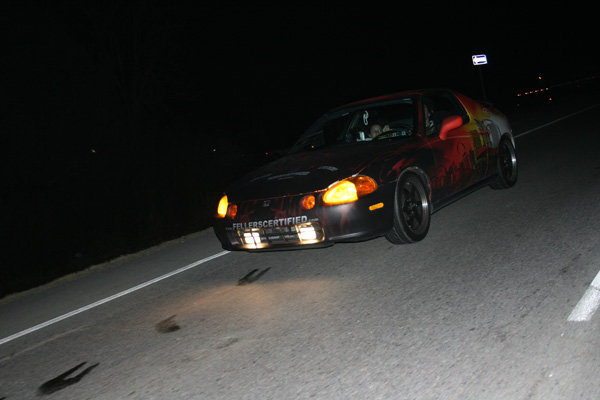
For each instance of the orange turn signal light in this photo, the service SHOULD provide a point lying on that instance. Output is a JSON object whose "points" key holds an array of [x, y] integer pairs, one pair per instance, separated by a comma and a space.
{"points": [[232, 211], [308, 202], [375, 206], [222, 207], [364, 185]]}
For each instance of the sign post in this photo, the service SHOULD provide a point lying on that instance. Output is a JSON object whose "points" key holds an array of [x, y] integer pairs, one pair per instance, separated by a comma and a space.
{"points": [[478, 60]]}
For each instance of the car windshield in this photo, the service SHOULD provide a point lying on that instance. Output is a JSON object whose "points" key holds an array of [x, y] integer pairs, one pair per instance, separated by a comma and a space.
{"points": [[360, 124]]}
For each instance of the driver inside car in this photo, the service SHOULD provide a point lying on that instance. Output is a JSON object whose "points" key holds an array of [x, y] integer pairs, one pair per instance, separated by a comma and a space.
{"points": [[377, 128]]}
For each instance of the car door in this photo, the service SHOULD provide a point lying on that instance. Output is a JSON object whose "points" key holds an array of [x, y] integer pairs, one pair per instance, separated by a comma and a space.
{"points": [[461, 155]]}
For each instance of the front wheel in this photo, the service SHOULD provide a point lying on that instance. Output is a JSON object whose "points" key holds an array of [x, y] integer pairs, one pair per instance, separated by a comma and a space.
{"points": [[411, 211], [506, 166]]}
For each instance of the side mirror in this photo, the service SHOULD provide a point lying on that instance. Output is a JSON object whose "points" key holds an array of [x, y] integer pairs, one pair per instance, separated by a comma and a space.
{"points": [[449, 123]]}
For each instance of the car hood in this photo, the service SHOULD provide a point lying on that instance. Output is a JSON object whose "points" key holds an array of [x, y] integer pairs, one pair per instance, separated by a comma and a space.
{"points": [[306, 172]]}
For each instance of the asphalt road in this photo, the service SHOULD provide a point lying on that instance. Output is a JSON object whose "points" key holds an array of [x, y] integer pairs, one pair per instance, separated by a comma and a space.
{"points": [[483, 308]]}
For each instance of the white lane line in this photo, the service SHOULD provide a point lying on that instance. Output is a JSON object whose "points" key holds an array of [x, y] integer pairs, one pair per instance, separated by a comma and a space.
{"points": [[555, 121], [107, 299], [589, 303]]}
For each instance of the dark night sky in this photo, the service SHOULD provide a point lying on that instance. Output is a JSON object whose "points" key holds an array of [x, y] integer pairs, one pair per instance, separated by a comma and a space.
{"points": [[237, 64], [125, 75]]}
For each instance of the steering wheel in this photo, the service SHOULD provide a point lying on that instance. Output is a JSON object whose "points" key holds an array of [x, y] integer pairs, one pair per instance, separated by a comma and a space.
{"points": [[405, 129]]}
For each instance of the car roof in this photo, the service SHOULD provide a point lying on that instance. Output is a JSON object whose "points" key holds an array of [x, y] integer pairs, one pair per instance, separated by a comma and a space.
{"points": [[387, 97]]}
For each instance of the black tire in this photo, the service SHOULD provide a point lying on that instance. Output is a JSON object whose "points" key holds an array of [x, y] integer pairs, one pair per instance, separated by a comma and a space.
{"points": [[506, 166], [412, 211]]}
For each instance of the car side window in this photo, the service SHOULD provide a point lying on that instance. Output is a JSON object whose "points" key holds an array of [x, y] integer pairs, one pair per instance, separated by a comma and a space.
{"points": [[396, 119], [392, 119]]}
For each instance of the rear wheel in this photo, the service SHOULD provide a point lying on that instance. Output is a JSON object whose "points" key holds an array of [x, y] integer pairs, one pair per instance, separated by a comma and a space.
{"points": [[411, 211], [506, 166]]}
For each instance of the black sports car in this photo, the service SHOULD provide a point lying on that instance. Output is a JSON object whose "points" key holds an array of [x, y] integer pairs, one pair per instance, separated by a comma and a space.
{"points": [[376, 167]]}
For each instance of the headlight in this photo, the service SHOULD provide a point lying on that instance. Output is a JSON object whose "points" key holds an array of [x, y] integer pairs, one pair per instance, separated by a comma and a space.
{"points": [[222, 207], [349, 190]]}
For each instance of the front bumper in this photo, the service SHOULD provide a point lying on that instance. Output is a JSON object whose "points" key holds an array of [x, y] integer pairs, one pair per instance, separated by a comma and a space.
{"points": [[283, 224], [303, 234]]}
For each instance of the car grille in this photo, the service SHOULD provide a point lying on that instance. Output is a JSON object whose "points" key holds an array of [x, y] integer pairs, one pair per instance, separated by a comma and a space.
{"points": [[306, 233]]}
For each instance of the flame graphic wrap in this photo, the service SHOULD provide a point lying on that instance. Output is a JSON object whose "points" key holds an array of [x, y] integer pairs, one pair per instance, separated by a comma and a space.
{"points": [[270, 214]]}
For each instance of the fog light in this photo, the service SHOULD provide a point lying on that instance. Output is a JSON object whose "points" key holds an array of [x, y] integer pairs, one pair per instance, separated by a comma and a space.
{"points": [[307, 233], [252, 238]]}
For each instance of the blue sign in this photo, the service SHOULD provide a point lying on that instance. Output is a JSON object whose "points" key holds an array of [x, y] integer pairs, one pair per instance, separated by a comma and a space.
{"points": [[479, 59]]}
